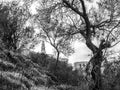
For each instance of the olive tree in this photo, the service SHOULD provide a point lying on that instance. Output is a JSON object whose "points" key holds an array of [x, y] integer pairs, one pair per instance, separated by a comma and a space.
{"points": [[102, 24]]}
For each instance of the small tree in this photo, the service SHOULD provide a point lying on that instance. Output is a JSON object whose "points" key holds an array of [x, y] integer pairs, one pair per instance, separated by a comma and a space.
{"points": [[91, 24], [53, 31], [13, 18]]}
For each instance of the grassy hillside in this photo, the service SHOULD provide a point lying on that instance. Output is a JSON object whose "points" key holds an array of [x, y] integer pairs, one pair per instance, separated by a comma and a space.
{"points": [[18, 72]]}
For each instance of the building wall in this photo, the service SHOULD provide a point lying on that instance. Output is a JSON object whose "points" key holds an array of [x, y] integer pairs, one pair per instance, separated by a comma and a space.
{"points": [[80, 65]]}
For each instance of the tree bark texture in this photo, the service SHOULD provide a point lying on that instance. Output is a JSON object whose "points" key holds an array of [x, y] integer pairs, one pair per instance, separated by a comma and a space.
{"points": [[96, 61]]}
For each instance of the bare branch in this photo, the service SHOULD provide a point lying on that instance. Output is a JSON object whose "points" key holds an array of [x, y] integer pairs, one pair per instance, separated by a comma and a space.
{"points": [[115, 44], [83, 7], [102, 23], [112, 30], [84, 15], [74, 9], [48, 36], [108, 31], [72, 21], [72, 2]]}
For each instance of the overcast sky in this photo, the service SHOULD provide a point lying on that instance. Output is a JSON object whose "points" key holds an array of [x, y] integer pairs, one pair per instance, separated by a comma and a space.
{"points": [[81, 53]]}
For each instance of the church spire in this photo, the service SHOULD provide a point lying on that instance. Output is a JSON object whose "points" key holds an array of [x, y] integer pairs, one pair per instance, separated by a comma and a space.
{"points": [[43, 47]]}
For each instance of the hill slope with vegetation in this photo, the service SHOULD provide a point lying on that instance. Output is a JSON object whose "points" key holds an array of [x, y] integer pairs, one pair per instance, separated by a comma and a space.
{"points": [[18, 71]]}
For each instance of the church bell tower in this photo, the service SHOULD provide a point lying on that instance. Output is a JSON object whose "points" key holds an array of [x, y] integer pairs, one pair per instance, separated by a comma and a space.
{"points": [[43, 47]]}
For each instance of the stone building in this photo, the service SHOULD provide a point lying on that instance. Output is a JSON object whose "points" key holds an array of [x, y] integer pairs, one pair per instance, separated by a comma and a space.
{"points": [[43, 50], [80, 67]]}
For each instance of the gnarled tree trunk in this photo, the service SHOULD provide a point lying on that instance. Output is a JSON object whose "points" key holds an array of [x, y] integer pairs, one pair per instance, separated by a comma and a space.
{"points": [[96, 71], [94, 66]]}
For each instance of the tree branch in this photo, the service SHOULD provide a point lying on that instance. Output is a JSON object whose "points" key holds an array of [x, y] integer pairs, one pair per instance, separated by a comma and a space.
{"points": [[112, 30], [84, 15], [48, 37], [86, 35], [115, 44], [72, 2], [74, 9], [83, 7], [101, 24]]}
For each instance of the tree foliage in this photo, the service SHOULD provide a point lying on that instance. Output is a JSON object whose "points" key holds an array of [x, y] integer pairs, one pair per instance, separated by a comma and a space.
{"points": [[14, 32], [60, 22], [63, 74], [52, 30], [101, 24]]}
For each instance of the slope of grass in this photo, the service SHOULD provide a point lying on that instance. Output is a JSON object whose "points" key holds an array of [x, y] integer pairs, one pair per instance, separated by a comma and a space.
{"points": [[18, 72]]}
